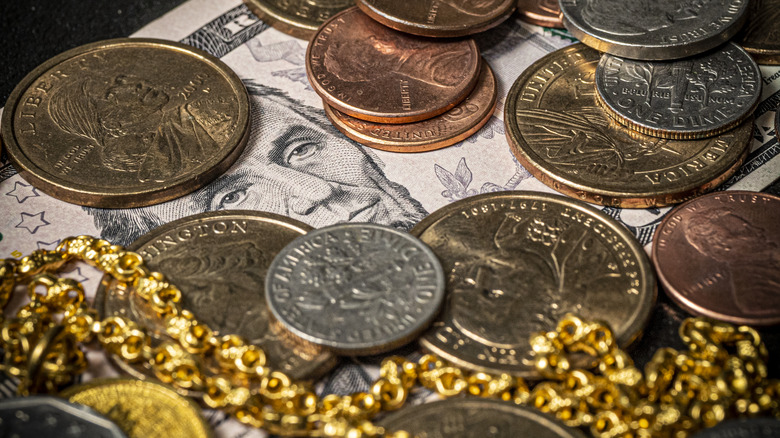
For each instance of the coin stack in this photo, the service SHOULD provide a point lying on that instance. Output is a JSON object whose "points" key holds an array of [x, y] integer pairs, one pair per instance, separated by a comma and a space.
{"points": [[664, 115], [390, 80]]}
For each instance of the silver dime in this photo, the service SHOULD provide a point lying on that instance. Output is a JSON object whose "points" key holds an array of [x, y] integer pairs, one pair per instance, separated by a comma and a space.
{"points": [[654, 29], [355, 288], [53, 417], [691, 98], [743, 428]]}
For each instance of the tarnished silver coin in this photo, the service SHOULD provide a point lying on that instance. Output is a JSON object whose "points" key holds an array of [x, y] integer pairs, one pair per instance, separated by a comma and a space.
{"points": [[356, 288], [654, 29], [53, 417], [219, 261], [743, 428], [476, 417], [691, 98]]}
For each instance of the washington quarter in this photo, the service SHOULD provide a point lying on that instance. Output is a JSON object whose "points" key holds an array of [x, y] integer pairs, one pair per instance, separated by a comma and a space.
{"points": [[356, 288]]}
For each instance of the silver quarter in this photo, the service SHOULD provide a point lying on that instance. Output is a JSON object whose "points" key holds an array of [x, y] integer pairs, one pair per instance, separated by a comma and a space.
{"points": [[356, 288], [691, 98], [746, 427], [654, 29], [53, 417]]}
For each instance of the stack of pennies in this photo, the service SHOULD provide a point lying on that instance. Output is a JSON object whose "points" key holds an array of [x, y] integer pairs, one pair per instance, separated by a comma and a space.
{"points": [[402, 92], [663, 116]]}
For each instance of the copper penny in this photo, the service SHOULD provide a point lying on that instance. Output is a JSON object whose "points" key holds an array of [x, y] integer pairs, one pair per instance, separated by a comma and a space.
{"points": [[378, 74], [545, 13], [439, 18], [761, 36], [126, 122], [719, 256], [441, 131]]}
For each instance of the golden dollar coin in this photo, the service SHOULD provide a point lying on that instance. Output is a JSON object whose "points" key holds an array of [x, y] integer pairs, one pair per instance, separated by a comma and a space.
{"points": [[142, 409], [299, 18], [219, 261], [558, 131], [517, 262], [126, 123]]}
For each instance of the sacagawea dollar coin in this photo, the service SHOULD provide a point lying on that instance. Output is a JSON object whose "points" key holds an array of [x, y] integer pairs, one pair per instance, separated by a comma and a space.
{"points": [[654, 30], [219, 261], [718, 255], [356, 288], [439, 18], [545, 13], [142, 409], [438, 132], [516, 263], [761, 35], [299, 18], [374, 73], [126, 123], [695, 97], [476, 417], [560, 134], [53, 417]]}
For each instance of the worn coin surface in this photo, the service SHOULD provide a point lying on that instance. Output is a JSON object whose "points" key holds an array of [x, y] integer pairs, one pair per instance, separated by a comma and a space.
{"points": [[356, 288], [560, 134], [441, 131], [299, 18], [743, 428], [439, 18], [126, 122], [219, 261], [654, 30], [476, 417], [545, 13], [141, 408], [718, 255], [691, 98], [53, 417], [375, 73], [761, 35], [517, 262]]}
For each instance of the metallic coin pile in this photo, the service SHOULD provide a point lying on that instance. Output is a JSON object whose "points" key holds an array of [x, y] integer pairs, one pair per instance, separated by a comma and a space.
{"points": [[401, 92]]}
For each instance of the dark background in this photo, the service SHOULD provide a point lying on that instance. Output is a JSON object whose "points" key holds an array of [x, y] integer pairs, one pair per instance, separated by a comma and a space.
{"points": [[36, 30]]}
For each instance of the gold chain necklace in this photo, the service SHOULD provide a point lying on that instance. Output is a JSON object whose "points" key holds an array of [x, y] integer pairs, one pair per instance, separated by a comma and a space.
{"points": [[723, 374]]}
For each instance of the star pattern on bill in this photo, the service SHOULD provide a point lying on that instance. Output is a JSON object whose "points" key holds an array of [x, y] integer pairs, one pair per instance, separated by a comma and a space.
{"points": [[23, 191], [32, 222], [49, 246]]}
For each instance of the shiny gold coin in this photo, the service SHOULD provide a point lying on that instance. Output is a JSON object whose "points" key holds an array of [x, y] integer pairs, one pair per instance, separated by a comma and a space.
{"points": [[557, 131], [516, 262], [219, 261], [299, 18], [142, 409], [545, 13], [439, 18], [441, 131], [126, 122], [761, 36], [476, 417], [378, 74]]}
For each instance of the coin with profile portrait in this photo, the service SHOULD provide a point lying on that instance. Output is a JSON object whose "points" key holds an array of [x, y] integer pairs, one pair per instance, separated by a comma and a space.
{"points": [[126, 123], [516, 263], [439, 18], [374, 73]]}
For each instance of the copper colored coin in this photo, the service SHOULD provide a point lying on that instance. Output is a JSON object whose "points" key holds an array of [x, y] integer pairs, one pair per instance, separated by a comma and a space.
{"points": [[545, 13], [719, 256], [439, 18], [761, 36], [378, 74], [299, 18], [441, 131]]}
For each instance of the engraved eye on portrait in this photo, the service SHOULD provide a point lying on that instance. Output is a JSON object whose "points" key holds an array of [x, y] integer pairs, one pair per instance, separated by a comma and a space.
{"points": [[138, 127], [384, 54], [637, 17]]}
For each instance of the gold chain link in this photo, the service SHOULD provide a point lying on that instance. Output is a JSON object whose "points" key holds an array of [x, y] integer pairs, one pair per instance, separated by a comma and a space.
{"points": [[678, 393]]}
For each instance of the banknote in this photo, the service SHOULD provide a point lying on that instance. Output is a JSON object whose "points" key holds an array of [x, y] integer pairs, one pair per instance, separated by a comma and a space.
{"points": [[298, 165]]}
